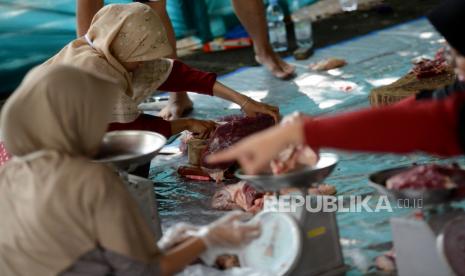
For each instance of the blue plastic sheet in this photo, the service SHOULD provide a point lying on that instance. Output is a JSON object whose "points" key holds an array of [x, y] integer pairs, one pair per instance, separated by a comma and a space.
{"points": [[31, 31], [373, 60]]}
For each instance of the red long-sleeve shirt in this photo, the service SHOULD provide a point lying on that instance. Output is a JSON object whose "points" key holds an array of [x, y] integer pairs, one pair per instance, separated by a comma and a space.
{"points": [[182, 78], [185, 78], [145, 122], [433, 126]]}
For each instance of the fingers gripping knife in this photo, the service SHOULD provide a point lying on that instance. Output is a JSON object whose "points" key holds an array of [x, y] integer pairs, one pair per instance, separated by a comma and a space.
{"points": [[125, 151], [298, 242]]}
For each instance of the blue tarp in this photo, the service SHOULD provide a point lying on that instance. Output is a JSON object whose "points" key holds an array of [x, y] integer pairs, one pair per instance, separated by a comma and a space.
{"points": [[32, 31], [373, 60], [29, 34]]}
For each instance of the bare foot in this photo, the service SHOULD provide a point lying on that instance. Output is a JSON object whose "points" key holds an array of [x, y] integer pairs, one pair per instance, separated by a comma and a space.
{"points": [[176, 108], [278, 67]]}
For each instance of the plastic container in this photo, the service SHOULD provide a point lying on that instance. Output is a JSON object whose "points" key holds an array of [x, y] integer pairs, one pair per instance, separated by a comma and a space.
{"points": [[348, 5], [276, 26], [302, 27]]}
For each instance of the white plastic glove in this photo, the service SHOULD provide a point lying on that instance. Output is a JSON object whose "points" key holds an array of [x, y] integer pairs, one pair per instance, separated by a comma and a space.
{"points": [[227, 235], [230, 231], [176, 234]]}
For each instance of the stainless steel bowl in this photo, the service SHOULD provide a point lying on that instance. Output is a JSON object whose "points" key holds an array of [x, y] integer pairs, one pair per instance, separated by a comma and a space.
{"points": [[428, 196], [128, 149], [302, 178]]}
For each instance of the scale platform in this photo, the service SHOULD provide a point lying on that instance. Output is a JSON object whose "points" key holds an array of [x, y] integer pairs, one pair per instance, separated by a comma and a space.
{"points": [[428, 196], [299, 243], [125, 151], [128, 149], [432, 241], [301, 179]]}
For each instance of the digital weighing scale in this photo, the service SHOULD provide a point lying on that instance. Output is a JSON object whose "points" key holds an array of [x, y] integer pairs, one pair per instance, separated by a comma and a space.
{"points": [[125, 151], [295, 243], [430, 242]]}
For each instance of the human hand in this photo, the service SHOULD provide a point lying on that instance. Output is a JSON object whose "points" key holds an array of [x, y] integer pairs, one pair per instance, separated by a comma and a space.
{"points": [[255, 152], [200, 128], [460, 66], [251, 108], [295, 117], [230, 231], [176, 234]]}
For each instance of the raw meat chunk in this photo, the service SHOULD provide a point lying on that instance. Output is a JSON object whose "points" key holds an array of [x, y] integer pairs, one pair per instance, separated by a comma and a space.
{"points": [[321, 189], [225, 262], [293, 158], [245, 197], [328, 64], [386, 262], [430, 176], [238, 196], [230, 133]]}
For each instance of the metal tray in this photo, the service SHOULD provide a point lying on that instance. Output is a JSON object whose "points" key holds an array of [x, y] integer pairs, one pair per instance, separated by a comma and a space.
{"points": [[128, 149], [303, 178], [428, 196]]}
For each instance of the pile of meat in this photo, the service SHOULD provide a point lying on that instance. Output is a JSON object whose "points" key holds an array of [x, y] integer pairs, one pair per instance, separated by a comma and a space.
{"points": [[430, 176], [293, 158], [230, 130], [244, 197], [241, 195], [238, 196], [427, 68]]}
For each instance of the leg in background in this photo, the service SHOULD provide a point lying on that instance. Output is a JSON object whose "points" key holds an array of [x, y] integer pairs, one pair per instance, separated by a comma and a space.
{"points": [[85, 11], [251, 13], [179, 103]]}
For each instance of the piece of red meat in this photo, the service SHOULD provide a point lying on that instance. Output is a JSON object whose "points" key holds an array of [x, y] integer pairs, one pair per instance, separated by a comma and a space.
{"points": [[230, 133], [427, 68], [225, 262], [238, 196], [293, 158], [430, 176]]}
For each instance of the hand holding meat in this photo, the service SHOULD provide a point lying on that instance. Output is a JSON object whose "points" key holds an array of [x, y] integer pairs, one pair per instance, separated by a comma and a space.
{"points": [[229, 232], [200, 128], [254, 153], [251, 108]]}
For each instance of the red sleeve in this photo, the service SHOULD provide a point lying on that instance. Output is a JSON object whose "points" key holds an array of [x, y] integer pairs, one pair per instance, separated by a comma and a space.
{"points": [[430, 126], [145, 122], [185, 78]]}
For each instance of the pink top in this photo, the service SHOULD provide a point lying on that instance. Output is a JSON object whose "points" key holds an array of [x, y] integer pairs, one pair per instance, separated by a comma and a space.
{"points": [[4, 155]]}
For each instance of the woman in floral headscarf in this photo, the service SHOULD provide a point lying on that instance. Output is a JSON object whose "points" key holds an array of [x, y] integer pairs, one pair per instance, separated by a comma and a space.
{"points": [[128, 43], [63, 214]]}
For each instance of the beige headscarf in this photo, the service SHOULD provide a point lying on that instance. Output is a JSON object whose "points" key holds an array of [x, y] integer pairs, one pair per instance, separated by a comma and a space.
{"points": [[55, 204], [123, 33]]}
